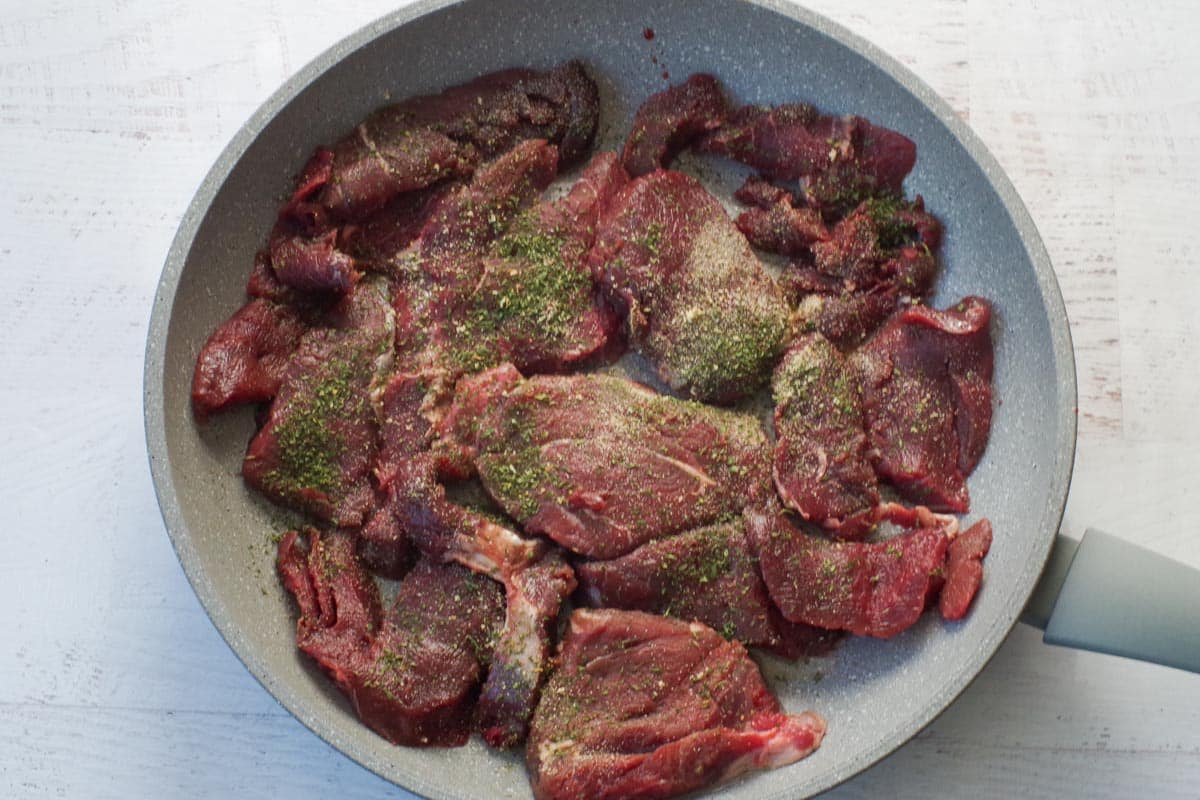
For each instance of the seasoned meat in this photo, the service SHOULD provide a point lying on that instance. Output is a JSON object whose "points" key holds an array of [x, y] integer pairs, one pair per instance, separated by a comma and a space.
{"points": [[340, 612], [649, 707], [774, 222], [424, 140], [601, 464], [312, 263], [927, 394], [837, 160], [669, 120], [376, 241], [521, 658], [698, 304], [844, 317], [303, 245], [244, 359], [384, 545], [821, 464], [867, 588], [489, 279], [457, 431], [708, 574], [882, 242], [316, 449], [535, 577], [964, 570], [411, 674], [466, 220], [405, 432], [536, 304], [439, 269]]}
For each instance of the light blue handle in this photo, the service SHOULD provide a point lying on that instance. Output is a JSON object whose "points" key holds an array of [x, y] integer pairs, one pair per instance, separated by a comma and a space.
{"points": [[1107, 595]]}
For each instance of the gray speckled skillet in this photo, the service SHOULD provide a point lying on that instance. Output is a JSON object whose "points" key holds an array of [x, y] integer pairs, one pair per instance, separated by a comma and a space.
{"points": [[875, 694]]}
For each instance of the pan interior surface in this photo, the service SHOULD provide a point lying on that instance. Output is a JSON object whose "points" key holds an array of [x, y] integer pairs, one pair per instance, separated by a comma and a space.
{"points": [[874, 694]]}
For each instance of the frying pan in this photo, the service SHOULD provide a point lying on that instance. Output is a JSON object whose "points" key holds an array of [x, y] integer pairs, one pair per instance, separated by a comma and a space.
{"points": [[875, 694]]}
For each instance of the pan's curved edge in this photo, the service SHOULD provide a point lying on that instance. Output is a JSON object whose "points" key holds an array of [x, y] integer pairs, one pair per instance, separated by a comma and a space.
{"points": [[1062, 353], [153, 390], [155, 364]]}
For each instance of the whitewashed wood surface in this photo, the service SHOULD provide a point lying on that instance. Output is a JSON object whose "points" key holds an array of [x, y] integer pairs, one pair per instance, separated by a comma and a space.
{"points": [[113, 684]]}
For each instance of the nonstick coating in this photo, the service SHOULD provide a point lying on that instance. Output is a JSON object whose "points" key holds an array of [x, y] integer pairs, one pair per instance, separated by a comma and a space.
{"points": [[874, 694]]}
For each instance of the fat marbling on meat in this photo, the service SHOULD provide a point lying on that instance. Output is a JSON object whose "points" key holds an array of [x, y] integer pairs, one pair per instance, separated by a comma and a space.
{"points": [[644, 706], [602, 464]]}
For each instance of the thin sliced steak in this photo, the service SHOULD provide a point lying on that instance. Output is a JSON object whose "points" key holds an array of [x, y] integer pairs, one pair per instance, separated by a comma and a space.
{"points": [[536, 581], [316, 449], [424, 140], [312, 263], [413, 673], [775, 222], [867, 588], [340, 612], [698, 303], [709, 575], [601, 464], [846, 318], [964, 570], [437, 273], [375, 241], [245, 358], [882, 243], [927, 393], [649, 707], [838, 160], [821, 464], [536, 304], [431, 653], [669, 120]]}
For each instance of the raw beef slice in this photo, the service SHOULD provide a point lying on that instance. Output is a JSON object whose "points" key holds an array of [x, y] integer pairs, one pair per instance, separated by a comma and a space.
{"points": [[698, 303], [927, 393], [709, 575], [245, 358], [867, 588], [964, 570], [669, 120], [424, 140], [821, 465], [601, 464], [412, 674], [776, 222], [535, 304], [838, 161], [644, 706], [316, 449]]}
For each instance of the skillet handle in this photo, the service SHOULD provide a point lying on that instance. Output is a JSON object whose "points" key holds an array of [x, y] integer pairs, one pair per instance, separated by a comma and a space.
{"points": [[1107, 595]]}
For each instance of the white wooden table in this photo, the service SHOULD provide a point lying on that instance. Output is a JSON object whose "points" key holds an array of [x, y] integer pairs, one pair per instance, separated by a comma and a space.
{"points": [[112, 681]]}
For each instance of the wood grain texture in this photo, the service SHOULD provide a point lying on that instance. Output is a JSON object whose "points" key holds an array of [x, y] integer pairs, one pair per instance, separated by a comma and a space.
{"points": [[112, 681]]}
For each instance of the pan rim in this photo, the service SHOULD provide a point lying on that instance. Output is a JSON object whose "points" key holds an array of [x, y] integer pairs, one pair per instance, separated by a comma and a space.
{"points": [[1019, 589]]}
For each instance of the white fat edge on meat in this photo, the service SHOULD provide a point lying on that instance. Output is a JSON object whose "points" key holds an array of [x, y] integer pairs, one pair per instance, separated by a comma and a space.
{"points": [[495, 551], [381, 366], [796, 737]]}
